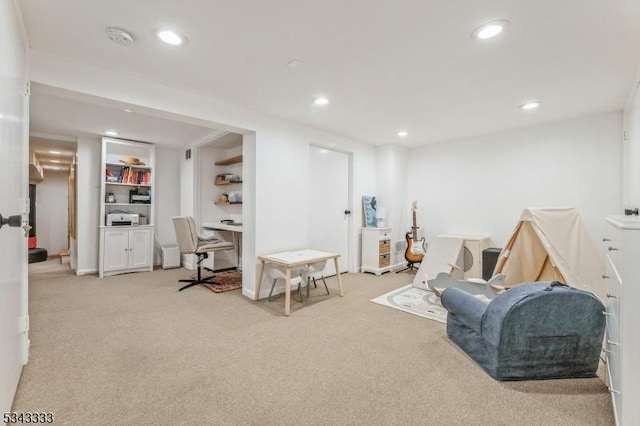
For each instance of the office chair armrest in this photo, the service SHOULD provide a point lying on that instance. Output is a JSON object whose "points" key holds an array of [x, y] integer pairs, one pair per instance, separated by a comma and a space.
{"points": [[212, 238]]}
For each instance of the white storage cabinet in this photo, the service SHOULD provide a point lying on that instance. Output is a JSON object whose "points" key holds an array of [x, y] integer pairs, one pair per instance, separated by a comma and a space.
{"points": [[376, 250], [622, 345]]}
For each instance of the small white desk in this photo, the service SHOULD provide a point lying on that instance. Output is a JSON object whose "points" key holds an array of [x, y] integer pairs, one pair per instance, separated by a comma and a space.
{"points": [[291, 259], [236, 231]]}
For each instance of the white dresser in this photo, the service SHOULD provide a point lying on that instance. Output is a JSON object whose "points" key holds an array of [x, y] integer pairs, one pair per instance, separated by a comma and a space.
{"points": [[622, 346], [376, 250]]}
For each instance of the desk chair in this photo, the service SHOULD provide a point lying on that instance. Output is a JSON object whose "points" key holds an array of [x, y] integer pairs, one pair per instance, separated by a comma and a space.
{"points": [[190, 243]]}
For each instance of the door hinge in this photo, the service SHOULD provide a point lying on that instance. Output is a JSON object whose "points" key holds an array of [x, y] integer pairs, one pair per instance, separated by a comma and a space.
{"points": [[624, 135], [23, 324], [27, 89]]}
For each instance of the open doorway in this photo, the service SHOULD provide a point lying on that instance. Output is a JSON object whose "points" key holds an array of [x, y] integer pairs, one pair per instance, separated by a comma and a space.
{"points": [[52, 209]]}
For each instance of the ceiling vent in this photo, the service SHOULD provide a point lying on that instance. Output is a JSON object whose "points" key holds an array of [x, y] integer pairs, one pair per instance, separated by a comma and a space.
{"points": [[119, 36]]}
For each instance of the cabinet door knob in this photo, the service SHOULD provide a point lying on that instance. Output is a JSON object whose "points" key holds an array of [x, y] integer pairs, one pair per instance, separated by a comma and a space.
{"points": [[606, 277]]}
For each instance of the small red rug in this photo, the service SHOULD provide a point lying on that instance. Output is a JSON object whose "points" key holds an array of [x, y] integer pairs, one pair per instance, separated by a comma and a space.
{"points": [[225, 281]]}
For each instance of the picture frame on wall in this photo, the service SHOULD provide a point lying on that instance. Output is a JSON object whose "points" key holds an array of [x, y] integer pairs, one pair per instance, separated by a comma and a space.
{"points": [[369, 210]]}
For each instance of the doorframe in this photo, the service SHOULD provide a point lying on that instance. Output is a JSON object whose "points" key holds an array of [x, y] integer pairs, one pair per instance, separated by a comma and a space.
{"points": [[351, 238]]}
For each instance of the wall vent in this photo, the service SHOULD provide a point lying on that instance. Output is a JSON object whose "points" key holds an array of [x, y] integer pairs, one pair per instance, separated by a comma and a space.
{"points": [[400, 246]]}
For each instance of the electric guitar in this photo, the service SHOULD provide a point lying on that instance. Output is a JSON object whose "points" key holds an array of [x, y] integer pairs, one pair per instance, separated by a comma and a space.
{"points": [[415, 247]]}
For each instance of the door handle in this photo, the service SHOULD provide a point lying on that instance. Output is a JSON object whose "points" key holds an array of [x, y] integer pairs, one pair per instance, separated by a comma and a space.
{"points": [[347, 212], [14, 221]]}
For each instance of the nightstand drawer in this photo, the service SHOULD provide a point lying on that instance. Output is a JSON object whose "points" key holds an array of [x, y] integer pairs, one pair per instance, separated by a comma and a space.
{"points": [[384, 246], [384, 260]]}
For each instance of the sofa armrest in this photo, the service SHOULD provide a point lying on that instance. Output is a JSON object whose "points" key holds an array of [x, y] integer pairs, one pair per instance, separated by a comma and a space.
{"points": [[466, 308]]}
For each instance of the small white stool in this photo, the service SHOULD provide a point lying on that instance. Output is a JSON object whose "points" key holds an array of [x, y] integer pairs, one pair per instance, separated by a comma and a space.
{"points": [[278, 274]]}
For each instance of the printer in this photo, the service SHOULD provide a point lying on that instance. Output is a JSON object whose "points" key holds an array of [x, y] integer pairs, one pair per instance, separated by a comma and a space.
{"points": [[123, 219]]}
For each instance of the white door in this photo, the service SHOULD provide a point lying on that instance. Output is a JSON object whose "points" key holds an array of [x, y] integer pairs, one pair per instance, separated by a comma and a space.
{"points": [[14, 335], [328, 199], [116, 249], [140, 248]]}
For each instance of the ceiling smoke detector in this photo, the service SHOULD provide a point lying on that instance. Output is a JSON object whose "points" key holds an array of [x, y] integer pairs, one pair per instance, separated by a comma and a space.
{"points": [[119, 36]]}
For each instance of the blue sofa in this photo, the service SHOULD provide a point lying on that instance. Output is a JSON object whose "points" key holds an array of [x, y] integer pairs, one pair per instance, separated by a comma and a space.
{"points": [[542, 330]]}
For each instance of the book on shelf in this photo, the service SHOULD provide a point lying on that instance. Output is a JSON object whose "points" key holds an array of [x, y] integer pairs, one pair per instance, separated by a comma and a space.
{"points": [[128, 175]]}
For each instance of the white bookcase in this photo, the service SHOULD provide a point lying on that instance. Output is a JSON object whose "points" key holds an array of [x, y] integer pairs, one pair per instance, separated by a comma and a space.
{"points": [[376, 250], [127, 183]]}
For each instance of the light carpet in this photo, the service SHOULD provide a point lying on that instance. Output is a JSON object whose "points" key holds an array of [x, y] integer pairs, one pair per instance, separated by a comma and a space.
{"points": [[132, 350]]}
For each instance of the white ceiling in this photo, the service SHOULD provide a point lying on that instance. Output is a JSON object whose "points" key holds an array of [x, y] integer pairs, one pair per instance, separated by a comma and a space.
{"points": [[385, 66]]}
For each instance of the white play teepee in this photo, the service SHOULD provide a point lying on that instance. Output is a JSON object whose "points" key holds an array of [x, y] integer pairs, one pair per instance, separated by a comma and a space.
{"points": [[552, 245]]}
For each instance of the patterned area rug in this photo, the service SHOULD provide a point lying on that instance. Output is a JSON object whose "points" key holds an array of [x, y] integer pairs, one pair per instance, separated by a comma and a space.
{"points": [[225, 281], [415, 301]]}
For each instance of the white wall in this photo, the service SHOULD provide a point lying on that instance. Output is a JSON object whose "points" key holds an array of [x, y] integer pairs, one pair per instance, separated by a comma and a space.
{"points": [[88, 184], [187, 183], [480, 185], [631, 151], [391, 192], [52, 211], [166, 195]]}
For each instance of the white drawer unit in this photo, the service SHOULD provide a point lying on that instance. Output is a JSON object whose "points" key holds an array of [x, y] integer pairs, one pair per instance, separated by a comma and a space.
{"points": [[376, 250], [622, 344]]}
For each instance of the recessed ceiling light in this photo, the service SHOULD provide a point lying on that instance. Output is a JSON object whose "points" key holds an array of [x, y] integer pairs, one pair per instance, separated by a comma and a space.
{"points": [[320, 100], [173, 38], [489, 30], [128, 110], [55, 161], [530, 105], [55, 152], [111, 133], [402, 133]]}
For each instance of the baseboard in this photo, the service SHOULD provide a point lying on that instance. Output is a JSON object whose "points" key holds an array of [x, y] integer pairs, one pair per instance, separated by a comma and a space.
{"points": [[248, 293], [86, 272]]}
